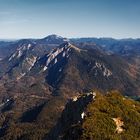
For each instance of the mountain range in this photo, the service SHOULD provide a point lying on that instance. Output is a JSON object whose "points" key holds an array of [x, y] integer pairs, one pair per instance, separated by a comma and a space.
{"points": [[50, 88]]}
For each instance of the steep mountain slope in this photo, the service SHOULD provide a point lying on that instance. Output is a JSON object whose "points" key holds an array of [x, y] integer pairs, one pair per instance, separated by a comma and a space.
{"points": [[98, 117], [27, 50], [95, 69], [129, 49], [31, 94]]}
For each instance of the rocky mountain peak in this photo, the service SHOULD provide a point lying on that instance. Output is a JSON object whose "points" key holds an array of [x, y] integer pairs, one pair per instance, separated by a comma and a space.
{"points": [[54, 39], [70, 46]]}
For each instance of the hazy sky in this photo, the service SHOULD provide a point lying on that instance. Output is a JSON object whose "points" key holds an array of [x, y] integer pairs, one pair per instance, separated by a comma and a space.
{"points": [[69, 18]]}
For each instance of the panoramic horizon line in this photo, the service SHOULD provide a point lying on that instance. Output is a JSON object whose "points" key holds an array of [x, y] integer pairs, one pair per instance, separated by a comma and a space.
{"points": [[8, 38]]}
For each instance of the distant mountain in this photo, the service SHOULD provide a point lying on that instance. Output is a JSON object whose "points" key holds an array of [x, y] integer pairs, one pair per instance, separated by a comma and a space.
{"points": [[53, 39], [124, 47], [49, 42]]}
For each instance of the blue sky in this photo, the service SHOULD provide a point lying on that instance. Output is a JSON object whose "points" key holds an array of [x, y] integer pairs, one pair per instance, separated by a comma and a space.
{"points": [[70, 18]]}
